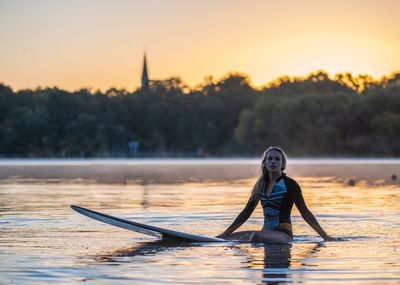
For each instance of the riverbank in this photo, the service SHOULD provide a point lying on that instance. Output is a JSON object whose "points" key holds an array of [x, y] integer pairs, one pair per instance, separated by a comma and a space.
{"points": [[372, 171]]}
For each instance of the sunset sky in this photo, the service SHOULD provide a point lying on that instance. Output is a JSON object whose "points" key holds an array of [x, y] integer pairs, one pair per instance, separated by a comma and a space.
{"points": [[99, 44]]}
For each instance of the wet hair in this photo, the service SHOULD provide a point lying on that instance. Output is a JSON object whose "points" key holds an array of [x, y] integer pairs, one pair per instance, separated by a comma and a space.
{"points": [[255, 195]]}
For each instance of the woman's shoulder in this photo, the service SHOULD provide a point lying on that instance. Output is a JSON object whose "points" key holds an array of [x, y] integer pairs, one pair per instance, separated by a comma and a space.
{"points": [[291, 183], [259, 180], [288, 178]]}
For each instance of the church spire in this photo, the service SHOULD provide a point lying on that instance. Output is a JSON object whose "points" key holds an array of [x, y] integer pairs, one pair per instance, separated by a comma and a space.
{"points": [[145, 76]]}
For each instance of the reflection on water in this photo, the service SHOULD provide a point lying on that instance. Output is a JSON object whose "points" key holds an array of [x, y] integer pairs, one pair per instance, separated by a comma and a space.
{"points": [[273, 259], [43, 241]]}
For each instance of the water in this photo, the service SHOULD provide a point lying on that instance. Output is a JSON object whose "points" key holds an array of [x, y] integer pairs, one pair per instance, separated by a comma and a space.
{"points": [[43, 241]]}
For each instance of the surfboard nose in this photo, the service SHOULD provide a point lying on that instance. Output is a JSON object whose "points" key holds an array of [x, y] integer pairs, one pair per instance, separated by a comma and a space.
{"points": [[143, 228]]}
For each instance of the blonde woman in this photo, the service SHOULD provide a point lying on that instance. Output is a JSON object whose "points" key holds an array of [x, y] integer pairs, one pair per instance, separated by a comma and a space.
{"points": [[277, 193]]}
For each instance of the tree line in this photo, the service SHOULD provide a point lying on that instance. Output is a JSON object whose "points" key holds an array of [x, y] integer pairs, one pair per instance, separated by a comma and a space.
{"points": [[314, 115]]}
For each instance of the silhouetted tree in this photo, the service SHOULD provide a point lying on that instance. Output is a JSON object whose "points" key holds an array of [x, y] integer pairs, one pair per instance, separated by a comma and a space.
{"points": [[314, 115]]}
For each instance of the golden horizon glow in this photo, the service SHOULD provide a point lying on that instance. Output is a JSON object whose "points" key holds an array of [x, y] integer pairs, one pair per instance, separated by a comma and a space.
{"points": [[100, 44]]}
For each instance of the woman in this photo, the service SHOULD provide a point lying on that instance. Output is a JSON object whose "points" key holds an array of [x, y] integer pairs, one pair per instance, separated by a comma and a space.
{"points": [[277, 193]]}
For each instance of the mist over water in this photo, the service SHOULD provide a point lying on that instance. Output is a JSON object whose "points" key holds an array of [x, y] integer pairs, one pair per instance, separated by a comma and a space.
{"points": [[43, 241], [184, 170]]}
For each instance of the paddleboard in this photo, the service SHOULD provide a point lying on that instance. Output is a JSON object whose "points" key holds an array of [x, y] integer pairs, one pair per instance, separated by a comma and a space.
{"points": [[162, 233]]}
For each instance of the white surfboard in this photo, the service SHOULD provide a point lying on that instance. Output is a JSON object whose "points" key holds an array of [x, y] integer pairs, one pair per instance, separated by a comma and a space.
{"points": [[165, 234]]}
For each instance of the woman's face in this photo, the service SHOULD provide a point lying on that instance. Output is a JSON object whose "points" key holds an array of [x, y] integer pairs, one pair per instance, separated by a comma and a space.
{"points": [[274, 161]]}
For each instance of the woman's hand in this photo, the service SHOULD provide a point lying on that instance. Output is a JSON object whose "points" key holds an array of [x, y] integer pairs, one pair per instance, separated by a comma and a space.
{"points": [[329, 238], [223, 235]]}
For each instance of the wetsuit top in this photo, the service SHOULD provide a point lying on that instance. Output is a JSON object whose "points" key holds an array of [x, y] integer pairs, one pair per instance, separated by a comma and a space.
{"points": [[278, 205]]}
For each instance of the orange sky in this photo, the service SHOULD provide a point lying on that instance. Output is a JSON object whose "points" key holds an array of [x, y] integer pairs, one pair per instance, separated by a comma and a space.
{"points": [[99, 44]]}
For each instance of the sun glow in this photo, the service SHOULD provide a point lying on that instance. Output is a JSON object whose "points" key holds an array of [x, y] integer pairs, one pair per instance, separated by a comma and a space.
{"points": [[71, 44]]}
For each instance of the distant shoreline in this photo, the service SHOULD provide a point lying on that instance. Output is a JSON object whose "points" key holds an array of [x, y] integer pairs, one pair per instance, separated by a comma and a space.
{"points": [[189, 160], [150, 171]]}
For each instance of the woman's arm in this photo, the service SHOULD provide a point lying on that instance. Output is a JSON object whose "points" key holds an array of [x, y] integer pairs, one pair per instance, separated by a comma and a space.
{"points": [[310, 219], [241, 218], [245, 214]]}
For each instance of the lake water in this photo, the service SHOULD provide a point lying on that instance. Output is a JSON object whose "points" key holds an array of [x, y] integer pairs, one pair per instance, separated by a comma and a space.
{"points": [[42, 240]]}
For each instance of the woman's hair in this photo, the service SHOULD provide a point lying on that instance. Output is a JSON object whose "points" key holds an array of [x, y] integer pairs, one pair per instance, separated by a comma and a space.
{"points": [[264, 172]]}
